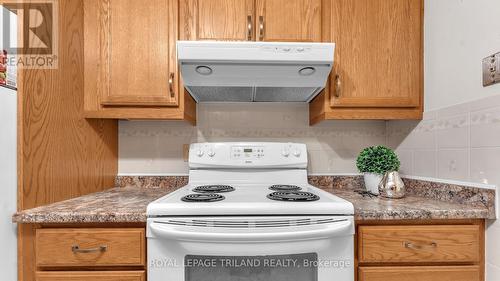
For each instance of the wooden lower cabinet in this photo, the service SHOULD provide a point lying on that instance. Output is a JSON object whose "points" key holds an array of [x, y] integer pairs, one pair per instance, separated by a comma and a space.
{"points": [[97, 247], [419, 243], [111, 252], [420, 273], [433, 250], [406, 250], [91, 276]]}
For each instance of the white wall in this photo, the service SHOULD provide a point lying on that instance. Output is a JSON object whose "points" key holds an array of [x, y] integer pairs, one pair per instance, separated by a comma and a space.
{"points": [[8, 174], [458, 34]]}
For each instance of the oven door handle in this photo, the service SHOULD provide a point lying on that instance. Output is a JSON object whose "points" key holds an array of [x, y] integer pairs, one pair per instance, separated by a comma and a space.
{"points": [[279, 234]]}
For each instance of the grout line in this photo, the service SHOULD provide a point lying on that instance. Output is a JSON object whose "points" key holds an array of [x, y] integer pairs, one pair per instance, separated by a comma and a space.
{"points": [[436, 151], [152, 175], [334, 174], [450, 148], [469, 157], [453, 182]]}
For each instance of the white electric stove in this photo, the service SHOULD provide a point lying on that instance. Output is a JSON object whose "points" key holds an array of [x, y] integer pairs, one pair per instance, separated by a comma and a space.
{"points": [[248, 213]]}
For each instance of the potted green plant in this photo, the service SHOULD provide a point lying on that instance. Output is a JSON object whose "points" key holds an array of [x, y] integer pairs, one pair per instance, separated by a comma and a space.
{"points": [[374, 162]]}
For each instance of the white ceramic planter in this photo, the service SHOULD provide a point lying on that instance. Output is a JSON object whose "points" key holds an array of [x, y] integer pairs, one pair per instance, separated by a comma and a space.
{"points": [[371, 182]]}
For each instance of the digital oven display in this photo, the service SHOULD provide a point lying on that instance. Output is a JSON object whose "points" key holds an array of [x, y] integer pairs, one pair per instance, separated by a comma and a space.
{"points": [[247, 150]]}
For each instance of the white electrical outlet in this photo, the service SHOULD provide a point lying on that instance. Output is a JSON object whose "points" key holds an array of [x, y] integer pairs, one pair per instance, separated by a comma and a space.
{"points": [[491, 70]]}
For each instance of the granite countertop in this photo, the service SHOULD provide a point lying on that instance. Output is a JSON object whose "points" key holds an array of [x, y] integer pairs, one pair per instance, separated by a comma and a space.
{"points": [[128, 204], [116, 205], [409, 208]]}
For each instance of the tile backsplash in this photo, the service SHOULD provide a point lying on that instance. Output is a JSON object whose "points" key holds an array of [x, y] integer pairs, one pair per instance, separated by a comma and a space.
{"points": [[155, 147], [460, 142]]}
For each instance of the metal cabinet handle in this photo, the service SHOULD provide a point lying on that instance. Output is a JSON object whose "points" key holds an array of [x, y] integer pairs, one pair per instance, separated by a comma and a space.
{"points": [[338, 87], [261, 28], [171, 84], [410, 245], [249, 28], [76, 249]]}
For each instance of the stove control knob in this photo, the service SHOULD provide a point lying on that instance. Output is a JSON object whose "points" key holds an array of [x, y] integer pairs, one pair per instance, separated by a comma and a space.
{"points": [[296, 153], [199, 153], [285, 152], [211, 153]]}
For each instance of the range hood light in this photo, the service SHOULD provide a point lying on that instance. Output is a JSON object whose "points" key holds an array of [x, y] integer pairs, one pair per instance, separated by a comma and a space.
{"points": [[306, 71], [204, 70]]}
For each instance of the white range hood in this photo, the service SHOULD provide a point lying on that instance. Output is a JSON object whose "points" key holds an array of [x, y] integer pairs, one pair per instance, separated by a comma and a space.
{"points": [[254, 71]]}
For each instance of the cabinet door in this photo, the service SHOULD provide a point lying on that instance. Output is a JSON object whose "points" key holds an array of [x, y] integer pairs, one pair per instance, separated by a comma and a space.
{"points": [[230, 20], [137, 52], [424, 273], [378, 60], [288, 20], [91, 276]]}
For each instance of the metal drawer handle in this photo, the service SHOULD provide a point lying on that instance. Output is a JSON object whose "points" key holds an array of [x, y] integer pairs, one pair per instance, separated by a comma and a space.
{"points": [[249, 28], [171, 84], [410, 245], [261, 28], [76, 249], [338, 87]]}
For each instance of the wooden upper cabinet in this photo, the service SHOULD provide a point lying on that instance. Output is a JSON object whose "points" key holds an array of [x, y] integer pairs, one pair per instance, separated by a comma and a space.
{"points": [[249, 20], [378, 53], [378, 66], [131, 69], [288, 20], [228, 20], [137, 52]]}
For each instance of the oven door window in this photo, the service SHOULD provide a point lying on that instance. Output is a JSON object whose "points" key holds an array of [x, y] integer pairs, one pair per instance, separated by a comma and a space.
{"points": [[297, 267]]}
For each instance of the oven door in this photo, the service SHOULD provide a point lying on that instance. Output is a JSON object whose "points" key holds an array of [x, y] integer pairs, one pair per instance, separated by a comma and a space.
{"points": [[251, 248]]}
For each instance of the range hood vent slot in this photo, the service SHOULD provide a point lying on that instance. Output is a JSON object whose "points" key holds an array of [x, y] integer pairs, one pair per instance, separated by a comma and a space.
{"points": [[285, 94], [221, 94], [252, 94]]}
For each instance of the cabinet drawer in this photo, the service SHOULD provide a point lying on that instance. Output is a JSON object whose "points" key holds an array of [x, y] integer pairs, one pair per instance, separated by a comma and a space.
{"points": [[91, 276], [90, 247], [427, 243], [420, 273]]}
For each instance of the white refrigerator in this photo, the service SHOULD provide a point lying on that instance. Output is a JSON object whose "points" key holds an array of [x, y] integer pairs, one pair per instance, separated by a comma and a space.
{"points": [[8, 163]]}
